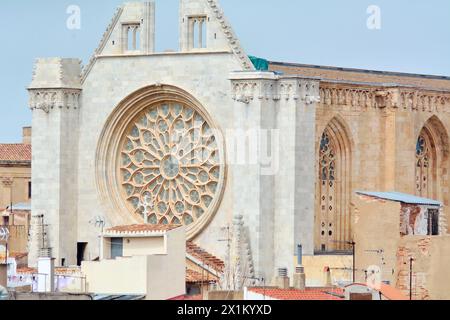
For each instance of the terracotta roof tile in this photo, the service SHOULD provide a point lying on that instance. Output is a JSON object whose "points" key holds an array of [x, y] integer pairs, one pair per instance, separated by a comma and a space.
{"points": [[67, 270], [188, 298], [18, 255], [392, 293], [196, 277], [205, 257], [16, 152], [314, 294], [27, 271], [143, 228]]}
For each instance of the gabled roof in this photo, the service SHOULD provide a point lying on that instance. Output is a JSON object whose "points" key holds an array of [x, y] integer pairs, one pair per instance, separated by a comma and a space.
{"points": [[205, 257], [400, 197], [15, 153], [314, 294]]}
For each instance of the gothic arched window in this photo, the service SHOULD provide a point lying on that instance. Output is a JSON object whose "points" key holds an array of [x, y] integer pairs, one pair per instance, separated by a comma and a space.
{"points": [[425, 165], [327, 190], [333, 223]]}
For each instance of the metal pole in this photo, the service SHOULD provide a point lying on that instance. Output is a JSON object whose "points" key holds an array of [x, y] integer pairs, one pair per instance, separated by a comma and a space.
{"points": [[300, 255], [264, 284], [43, 231], [411, 279], [11, 198], [354, 261]]}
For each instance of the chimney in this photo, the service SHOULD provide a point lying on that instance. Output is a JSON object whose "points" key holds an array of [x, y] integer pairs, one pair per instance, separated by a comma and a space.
{"points": [[282, 280], [300, 278], [328, 281], [26, 135]]}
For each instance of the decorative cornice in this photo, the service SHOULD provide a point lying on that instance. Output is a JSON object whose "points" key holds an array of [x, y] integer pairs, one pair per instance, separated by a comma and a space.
{"points": [[47, 99], [296, 89], [380, 98], [417, 100], [102, 44], [231, 36]]}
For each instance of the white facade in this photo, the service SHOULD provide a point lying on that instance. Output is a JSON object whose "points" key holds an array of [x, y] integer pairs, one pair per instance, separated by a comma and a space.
{"points": [[78, 114]]}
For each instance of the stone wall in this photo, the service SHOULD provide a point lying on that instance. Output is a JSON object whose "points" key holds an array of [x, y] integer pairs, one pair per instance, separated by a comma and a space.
{"points": [[379, 243], [382, 125], [20, 175]]}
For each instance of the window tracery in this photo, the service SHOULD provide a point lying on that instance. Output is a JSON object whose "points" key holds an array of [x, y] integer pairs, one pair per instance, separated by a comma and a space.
{"points": [[424, 166], [327, 191], [170, 167]]}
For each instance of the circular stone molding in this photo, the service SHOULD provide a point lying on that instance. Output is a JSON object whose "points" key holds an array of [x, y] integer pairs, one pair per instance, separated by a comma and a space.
{"points": [[161, 158]]}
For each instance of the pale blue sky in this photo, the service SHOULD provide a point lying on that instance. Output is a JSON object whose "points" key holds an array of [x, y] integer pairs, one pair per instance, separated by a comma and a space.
{"points": [[414, 37]]}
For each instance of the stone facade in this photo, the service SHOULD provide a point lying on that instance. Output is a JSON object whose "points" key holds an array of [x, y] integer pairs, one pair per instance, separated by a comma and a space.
{"points": [[372, 128]]}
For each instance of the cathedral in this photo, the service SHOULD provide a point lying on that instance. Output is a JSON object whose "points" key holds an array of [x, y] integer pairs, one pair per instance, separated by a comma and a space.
{"points": [[224, 143]]}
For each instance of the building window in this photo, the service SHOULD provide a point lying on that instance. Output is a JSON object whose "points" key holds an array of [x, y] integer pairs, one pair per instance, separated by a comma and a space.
{"points": [[170, 169], [116, 248], [433, 222], [29, 189], [132, 37], [197, 32], [327, 190], [425, 162], [333, 223]]}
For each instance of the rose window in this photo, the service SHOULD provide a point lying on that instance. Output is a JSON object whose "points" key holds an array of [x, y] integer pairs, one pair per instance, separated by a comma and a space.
{"points": [[170, 165]]}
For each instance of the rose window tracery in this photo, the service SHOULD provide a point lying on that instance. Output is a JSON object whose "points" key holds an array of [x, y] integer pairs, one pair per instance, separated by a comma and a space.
{"points": [[170, 165]]}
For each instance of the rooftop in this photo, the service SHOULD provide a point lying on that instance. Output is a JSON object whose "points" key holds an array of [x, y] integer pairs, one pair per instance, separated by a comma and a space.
{"points": [[314, 294], [389, 292], [400, 197], [20, 207], [361, 75], [15, 153], [208, 259], [18, 255], [193, 276], [142, 228], [188, 298]]}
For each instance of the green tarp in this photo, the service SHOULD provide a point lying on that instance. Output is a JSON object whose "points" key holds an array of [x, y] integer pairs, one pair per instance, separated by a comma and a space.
{"points": [[259, 63]]}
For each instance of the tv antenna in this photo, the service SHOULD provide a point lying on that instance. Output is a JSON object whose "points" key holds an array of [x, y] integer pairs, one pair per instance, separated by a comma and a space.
{"points": [[99, 222]]}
